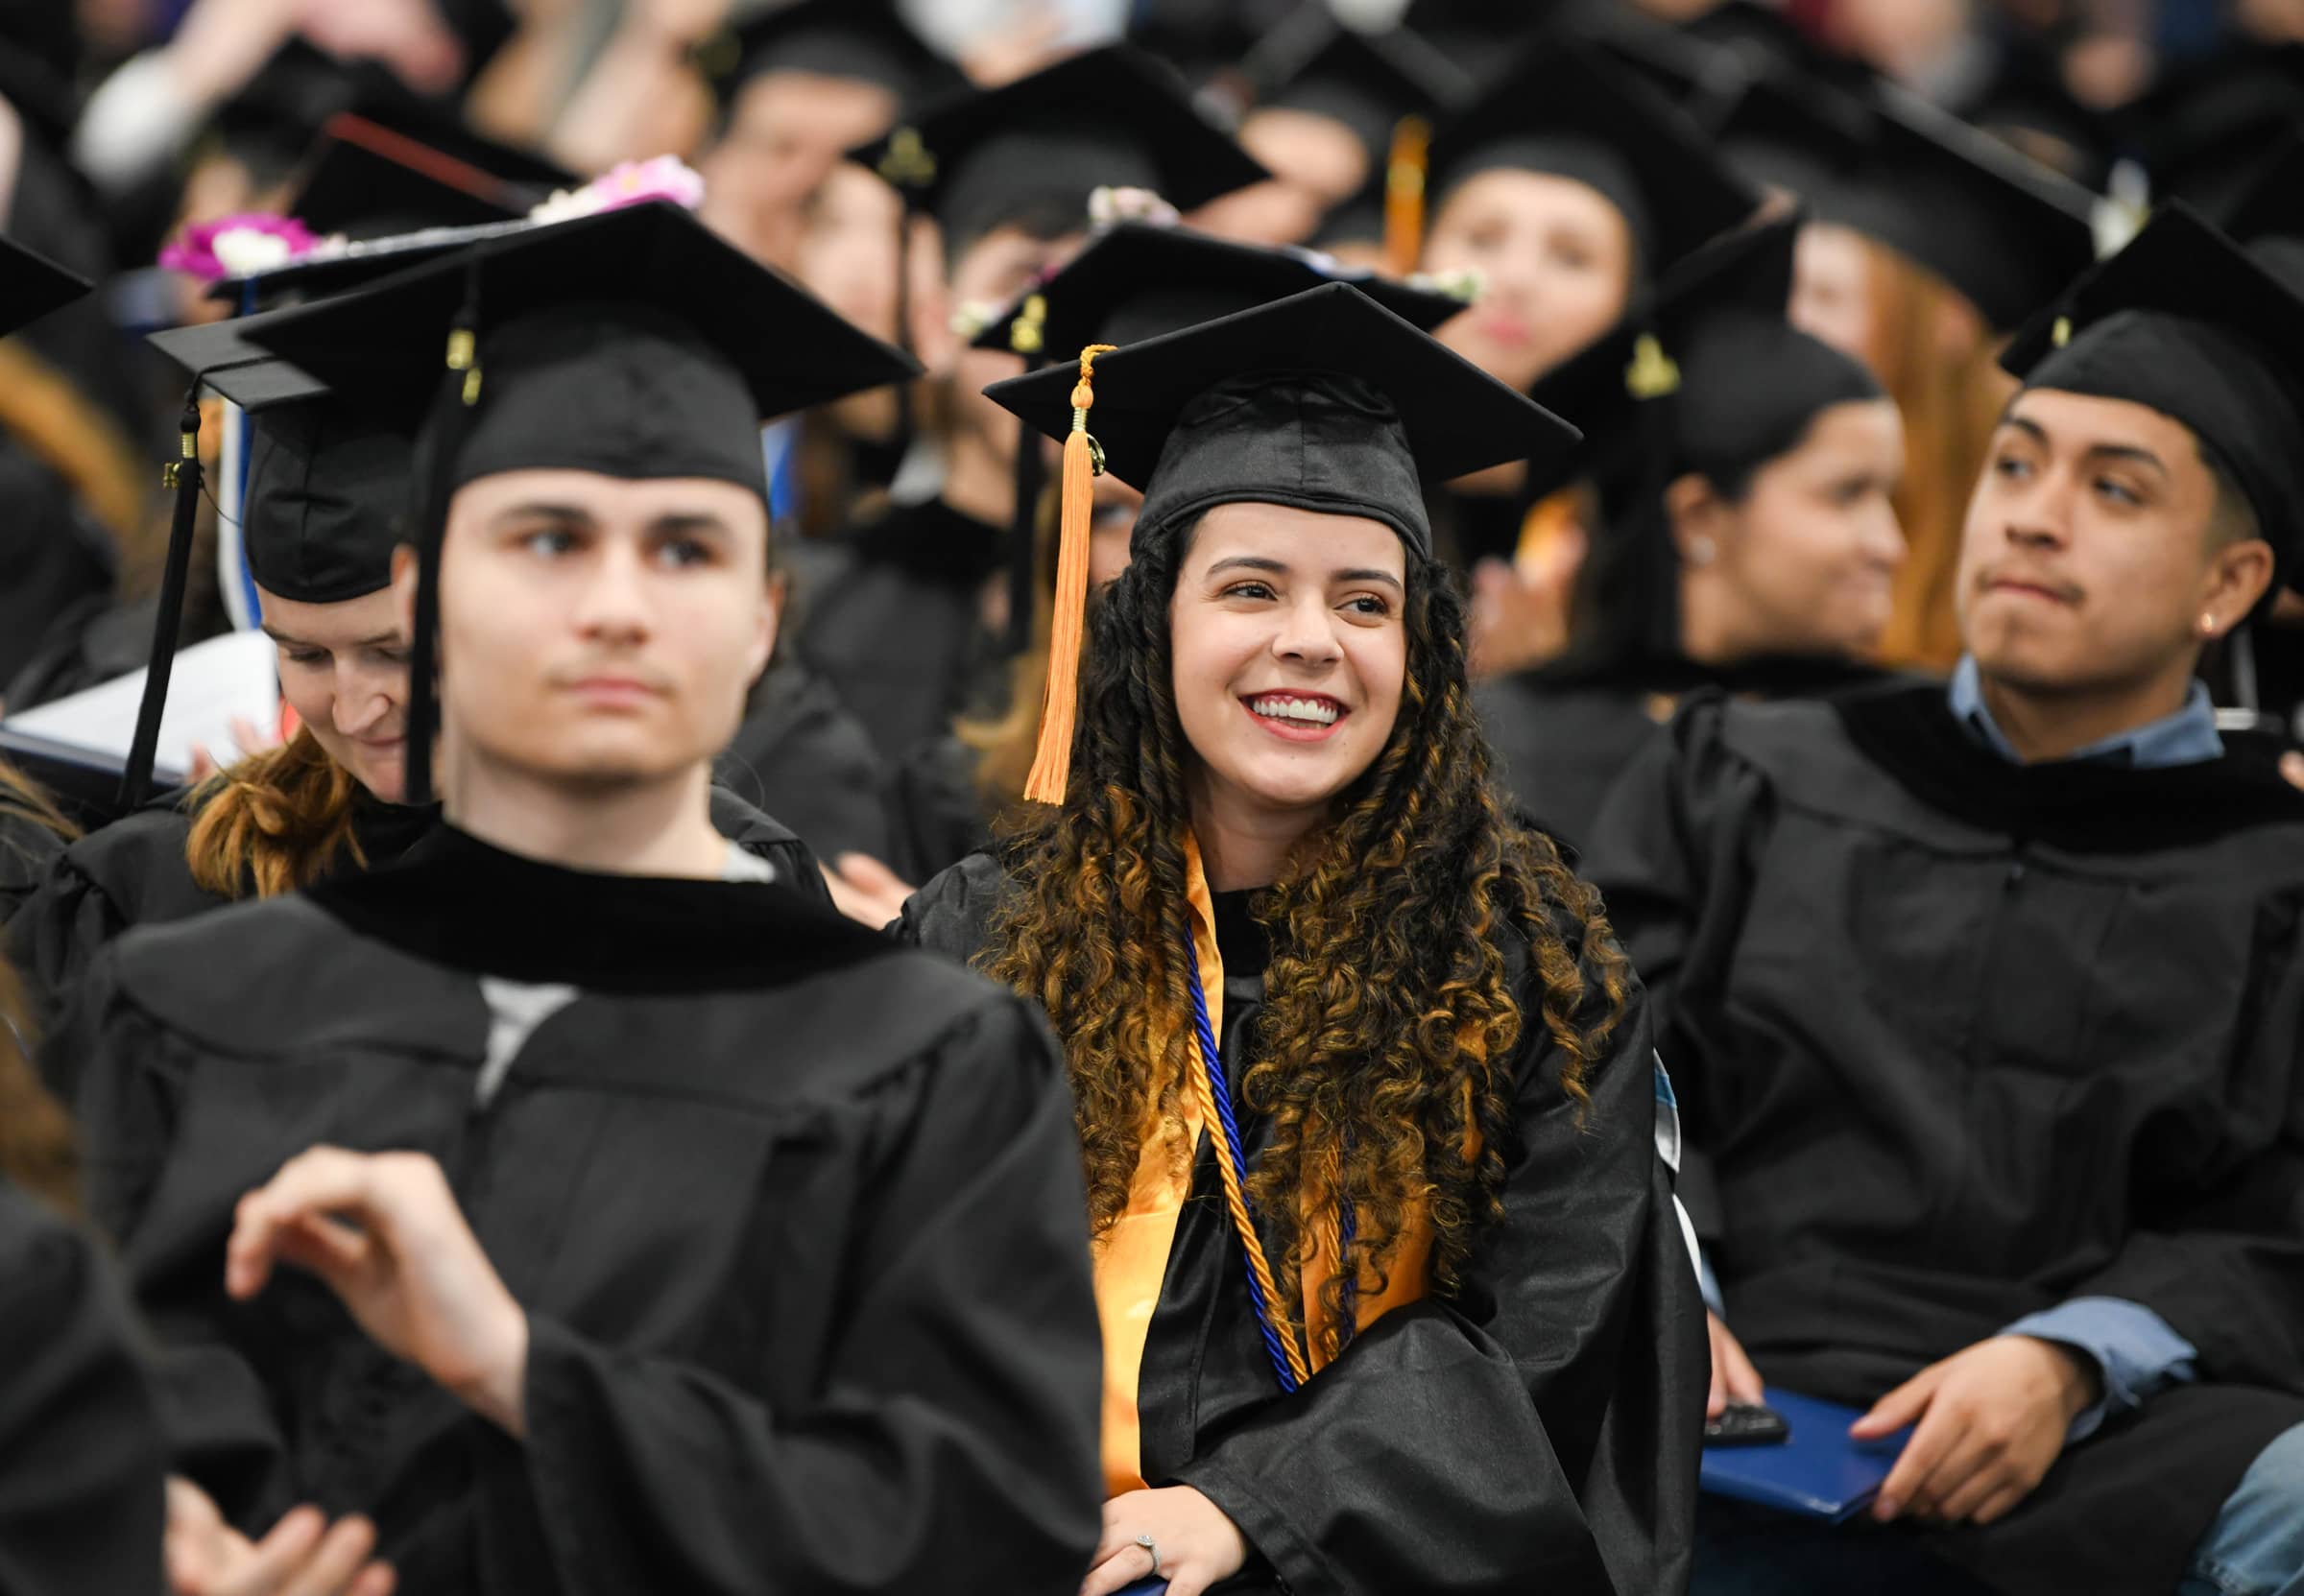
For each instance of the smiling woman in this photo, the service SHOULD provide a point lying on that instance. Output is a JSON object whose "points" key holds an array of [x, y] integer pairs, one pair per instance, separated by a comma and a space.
{"points": [[1336, 1024]]}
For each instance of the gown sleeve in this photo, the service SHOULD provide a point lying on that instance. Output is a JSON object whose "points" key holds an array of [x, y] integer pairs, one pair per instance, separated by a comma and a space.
{"points": [[2218, 1247], [81, 1464], [1538, 1433], [66, 916], [215, 1414], [954, 1445]]}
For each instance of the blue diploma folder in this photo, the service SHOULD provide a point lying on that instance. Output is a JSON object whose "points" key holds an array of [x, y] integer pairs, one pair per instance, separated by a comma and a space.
{"points": [[1143, 1588], [1817, 1473]]}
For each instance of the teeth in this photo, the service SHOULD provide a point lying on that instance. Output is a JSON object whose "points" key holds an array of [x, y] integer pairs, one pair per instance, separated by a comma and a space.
{"points": [[1280, 707]]}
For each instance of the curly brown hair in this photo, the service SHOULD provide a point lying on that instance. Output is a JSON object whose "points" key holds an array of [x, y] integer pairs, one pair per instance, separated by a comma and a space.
{"points": [[1383, 1051]]}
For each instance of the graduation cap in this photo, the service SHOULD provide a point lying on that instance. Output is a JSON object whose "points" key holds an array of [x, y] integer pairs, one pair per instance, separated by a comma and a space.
{"points": [[1763, 37], [2026, 101], [2268, 214], [1313, 64], [866, 41], [32, 285], [1568, 109], [2185, 323], [2201, 126], [1323, 400], [1031, 151], [369, 181], [327, 482], [1703, 373], [1136, 281], [1998, 226], [631, 344]]}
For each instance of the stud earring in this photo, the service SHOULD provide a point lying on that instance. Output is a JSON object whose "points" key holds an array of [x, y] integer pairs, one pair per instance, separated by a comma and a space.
{"points": [[2208, 625], [1700, 550]]}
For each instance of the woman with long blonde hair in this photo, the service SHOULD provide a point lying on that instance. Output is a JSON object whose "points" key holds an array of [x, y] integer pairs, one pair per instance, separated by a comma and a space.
{"points": [[1391, 1290]]}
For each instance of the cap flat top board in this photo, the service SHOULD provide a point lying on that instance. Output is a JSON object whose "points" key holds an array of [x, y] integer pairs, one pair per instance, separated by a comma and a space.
{"points": [[1458, 418], [32, 285], [1136, 278]]}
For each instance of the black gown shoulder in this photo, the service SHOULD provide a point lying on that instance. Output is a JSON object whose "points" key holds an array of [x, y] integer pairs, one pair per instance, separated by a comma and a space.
{"points": [[2069, 996], [795, 1213], [803, 757], [80, 1453]]}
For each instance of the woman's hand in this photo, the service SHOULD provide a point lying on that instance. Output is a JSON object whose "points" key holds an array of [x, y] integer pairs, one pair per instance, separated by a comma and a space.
{"points": [[864, 889], [303, 1556], [1197, 1544], [383, 1231]]}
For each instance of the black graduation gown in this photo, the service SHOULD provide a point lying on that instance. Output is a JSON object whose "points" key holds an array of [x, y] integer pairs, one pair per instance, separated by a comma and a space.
{"points": [[1965, 1039], [803, 758], [1563, 734], [134, 872], [1538, 1433], [936, 814], [897, 635], [794, 1215], [28, 850], [80, 1456], [52, 556]]}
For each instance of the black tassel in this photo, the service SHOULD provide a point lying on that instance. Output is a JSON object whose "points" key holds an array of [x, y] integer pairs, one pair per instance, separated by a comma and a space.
{"points": [[183, 474], [451, 418], [1023, 540], [908, 419]]}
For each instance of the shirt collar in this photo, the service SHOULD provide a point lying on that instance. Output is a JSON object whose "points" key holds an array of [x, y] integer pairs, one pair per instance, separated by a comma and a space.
{"points": [[2187, 737]]}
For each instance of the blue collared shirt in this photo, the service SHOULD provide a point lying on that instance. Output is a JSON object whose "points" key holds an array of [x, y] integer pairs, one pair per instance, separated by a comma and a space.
{"points": [[2187, 737], [2134, 1347]]}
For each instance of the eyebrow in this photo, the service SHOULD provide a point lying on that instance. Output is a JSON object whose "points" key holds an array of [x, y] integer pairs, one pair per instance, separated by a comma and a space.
{"points": [[2135, 452], [697, 520], [286, 641], [1257, 562], [539, 510]]}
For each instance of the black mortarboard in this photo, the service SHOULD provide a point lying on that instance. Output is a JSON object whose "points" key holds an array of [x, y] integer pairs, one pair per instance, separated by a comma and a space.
{"points": [[1478, 34], [1703, 374], [866, 40], [1202, 39], [1324, 402], [2201, 126], [2268, 213], [1368, 81], [632, 344], [2026, 101], [1134, 281], [1745, 277], [2185, 323], [1686, 71], [368, 181], [328, 490], [1990, 221], [1033, 150], [32, 285], [1765, 38], [1568, 109]]}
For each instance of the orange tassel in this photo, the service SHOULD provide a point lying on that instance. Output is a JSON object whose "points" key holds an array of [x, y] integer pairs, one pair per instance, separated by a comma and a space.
{"points": [[1404, 195], [1059, 711]]}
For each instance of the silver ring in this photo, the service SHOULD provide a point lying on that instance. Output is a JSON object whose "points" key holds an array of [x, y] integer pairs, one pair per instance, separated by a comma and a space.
{"points": [[1152, 1546]]}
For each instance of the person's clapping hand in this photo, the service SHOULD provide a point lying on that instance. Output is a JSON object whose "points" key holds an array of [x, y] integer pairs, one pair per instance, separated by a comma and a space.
{"points": [[383, 1232], [864, 889], [303, 1554]]}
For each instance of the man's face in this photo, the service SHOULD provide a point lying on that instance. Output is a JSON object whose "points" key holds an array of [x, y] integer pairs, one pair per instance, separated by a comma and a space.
{"points": [[596, 630], [2088, 560]]}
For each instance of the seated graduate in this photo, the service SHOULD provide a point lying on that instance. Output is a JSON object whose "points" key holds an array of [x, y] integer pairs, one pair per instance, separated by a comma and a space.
{"points": [[653, 1228], [1005, 174], [1568, 186], [1134, 280], [1985, 1002], [325, 506], [1744, 473], [1416, 1315], [80, 1445]]}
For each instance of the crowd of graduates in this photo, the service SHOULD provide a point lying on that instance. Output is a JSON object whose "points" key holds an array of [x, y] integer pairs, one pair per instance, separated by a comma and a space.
{"points": [[1091, 797]]}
